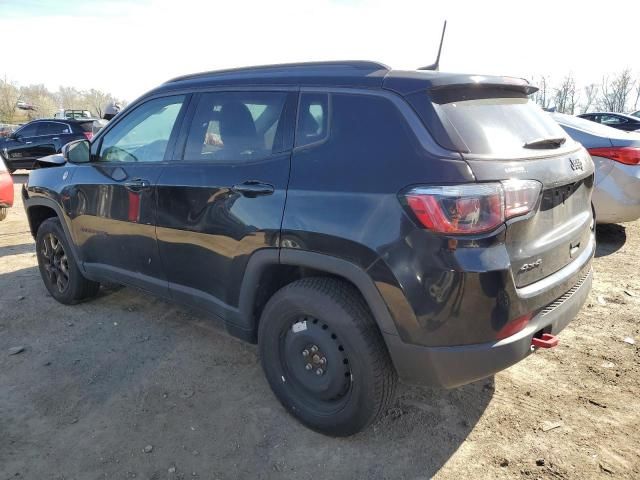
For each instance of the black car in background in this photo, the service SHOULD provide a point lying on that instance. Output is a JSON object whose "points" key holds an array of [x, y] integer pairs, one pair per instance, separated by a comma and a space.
{"points": [[620, 121], [40, 138]]}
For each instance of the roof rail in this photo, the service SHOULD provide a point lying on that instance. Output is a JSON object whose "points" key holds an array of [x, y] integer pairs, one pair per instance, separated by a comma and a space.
{"points": [[359, 64]]}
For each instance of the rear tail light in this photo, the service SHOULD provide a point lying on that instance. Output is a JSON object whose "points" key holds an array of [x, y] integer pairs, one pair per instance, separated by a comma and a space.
{"points": [[6, 188], [89, 135], [626, 155], [472, 208]]}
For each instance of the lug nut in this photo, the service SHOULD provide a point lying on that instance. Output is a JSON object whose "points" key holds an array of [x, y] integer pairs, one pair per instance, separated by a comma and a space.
{"points": [[305, 353], [323, 360], [314, 349], [308, 366], [319, 371]]}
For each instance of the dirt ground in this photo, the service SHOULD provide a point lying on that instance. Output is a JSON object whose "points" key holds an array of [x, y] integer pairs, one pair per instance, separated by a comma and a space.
{"points": [[100, 382]]}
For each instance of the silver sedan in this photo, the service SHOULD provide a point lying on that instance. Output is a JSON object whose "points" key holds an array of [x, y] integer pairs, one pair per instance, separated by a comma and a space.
{"points": [[616, 154]]}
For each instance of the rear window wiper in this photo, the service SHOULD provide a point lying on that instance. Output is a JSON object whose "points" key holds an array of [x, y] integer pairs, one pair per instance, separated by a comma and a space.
{"points": [[552, 142]]}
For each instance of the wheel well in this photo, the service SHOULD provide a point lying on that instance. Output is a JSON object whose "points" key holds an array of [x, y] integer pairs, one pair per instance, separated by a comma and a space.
{"points": [[38, 214], [275, 277]]}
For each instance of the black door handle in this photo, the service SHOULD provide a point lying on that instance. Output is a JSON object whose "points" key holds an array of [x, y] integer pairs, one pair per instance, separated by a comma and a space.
{"points": [[253, 188], [137, 185]]}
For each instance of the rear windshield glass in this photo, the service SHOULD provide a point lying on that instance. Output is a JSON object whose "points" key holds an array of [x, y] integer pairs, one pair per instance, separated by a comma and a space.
{"points": [[498, 125], [86, 126]]}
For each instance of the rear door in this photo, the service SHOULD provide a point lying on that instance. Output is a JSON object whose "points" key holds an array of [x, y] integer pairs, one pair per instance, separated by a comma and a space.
{"points": [[51, 137], [224, 199], [511, 138], [113, 202]]}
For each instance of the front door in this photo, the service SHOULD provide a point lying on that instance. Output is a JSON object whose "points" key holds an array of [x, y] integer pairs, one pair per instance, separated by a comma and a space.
{"points": [[225, 198], [113, 203], [20, 150]]}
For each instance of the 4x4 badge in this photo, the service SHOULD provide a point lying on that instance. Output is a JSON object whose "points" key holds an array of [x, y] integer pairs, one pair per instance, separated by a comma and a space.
{"points": [[530, 266], [576, 163]]}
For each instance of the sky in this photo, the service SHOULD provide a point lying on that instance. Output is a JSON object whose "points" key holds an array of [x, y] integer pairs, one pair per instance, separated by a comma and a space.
{"points": [[127, 47]]}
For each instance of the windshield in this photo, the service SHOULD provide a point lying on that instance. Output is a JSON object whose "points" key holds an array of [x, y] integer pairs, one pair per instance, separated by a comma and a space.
{"points": [[499, 125]]}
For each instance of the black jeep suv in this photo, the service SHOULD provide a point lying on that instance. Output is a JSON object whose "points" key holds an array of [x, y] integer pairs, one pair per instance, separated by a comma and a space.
{"points": [[40, 138], [359, 223]]}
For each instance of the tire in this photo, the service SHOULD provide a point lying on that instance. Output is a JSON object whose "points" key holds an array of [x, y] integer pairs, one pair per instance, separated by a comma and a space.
{"points": [[3, 213], [58, 269], [324, 357]]}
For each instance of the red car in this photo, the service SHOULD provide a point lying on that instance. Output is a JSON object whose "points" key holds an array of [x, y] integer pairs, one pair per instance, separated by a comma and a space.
{"points": [[6, 190]]}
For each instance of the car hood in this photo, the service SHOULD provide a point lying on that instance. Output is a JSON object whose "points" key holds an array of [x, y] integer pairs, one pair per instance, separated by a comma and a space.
{"points": [[52, 160]]}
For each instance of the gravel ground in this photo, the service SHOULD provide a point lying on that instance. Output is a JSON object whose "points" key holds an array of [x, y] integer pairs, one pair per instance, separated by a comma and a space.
{"points": [[128, 385]]}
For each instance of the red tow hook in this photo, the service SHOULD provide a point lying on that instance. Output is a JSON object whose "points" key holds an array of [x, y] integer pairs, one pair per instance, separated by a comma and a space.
{"points": [[546, 341]]}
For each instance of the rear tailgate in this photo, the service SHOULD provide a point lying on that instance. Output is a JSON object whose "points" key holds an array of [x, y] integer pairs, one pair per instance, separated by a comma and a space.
{"points": [[502, 135], [559, 229]]}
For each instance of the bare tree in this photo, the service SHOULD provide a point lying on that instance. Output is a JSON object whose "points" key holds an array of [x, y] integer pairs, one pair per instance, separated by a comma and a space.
{"points": [[42, 100], [542, 97], [68, 97], [97, 101], [566, 96], [637, 100], [591, 93], [9, 96], [615, 93]]}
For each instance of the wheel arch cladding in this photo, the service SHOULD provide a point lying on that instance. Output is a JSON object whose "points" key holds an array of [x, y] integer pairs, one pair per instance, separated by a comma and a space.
{"points": [[267, 273], [37, 214], [40, 209]]}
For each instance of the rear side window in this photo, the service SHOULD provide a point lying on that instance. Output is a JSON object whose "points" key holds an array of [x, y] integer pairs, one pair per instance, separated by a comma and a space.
{"points": [[313, 119], [497, 125], [236, 126]]}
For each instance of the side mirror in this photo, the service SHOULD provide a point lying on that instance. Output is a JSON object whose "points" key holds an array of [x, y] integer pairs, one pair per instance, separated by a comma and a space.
{"points": [[14, 136], [77, 152]]}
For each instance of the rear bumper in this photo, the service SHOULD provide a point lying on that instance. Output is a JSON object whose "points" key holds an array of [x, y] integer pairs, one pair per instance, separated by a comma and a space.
{"points": [[457, 365]]}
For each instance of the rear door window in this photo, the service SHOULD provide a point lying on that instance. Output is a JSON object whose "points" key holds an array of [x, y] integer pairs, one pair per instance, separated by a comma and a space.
{"points": [[237, 126], [498, 126], [52, 128], [613, 120]]}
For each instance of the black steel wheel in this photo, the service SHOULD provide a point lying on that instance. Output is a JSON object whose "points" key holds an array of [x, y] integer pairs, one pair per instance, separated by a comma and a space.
{"points": [[316, 364], [324, 356]]}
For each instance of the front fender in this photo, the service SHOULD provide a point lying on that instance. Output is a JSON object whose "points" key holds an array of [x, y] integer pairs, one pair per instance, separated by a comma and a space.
{"points": [[33, 202]]}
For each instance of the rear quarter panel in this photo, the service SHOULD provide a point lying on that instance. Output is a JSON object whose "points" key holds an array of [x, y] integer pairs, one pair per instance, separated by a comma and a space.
{"points": [[343, 200]]}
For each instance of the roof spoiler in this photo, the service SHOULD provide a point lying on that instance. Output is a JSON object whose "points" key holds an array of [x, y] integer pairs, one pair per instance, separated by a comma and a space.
{"points": [[436, 65]]}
